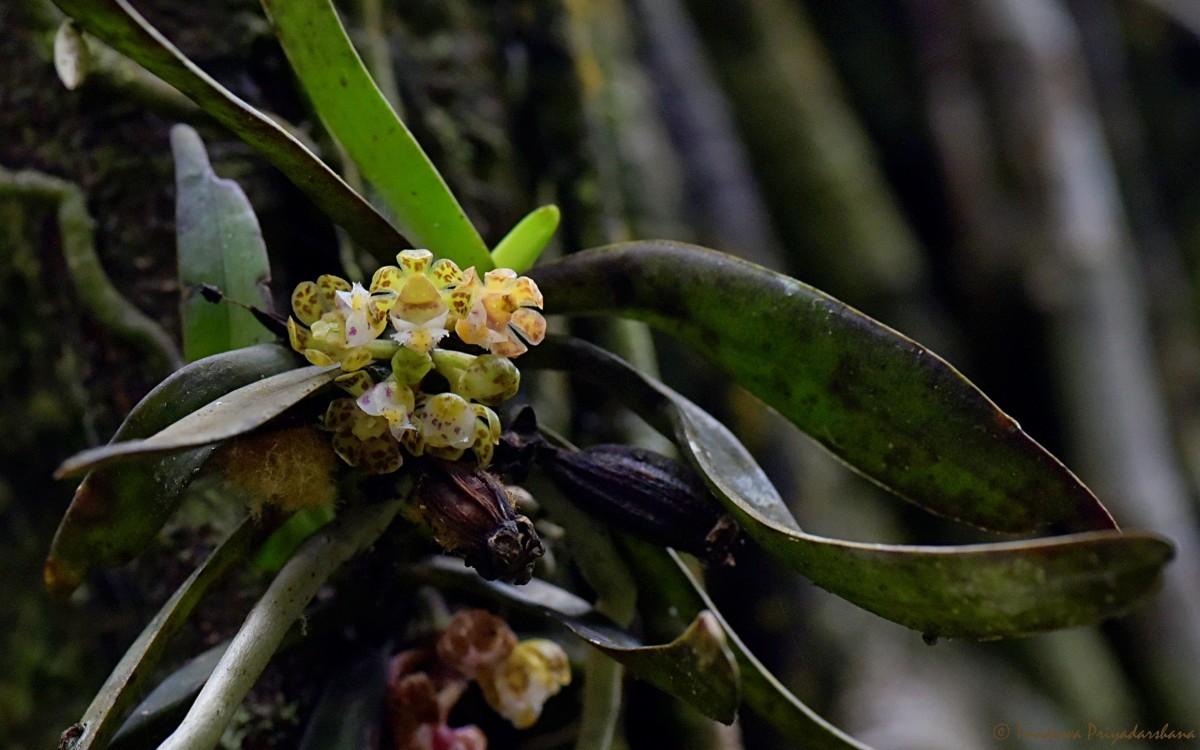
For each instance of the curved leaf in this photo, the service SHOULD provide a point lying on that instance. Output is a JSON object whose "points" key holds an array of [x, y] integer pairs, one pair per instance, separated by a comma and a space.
{"points": [[263, 631], [117, 511], [676, 590], [120, 26], [358, 115], [974, 591], [104, 715], [696, 667], [233, 414], [520, 248], [878, 400], [219, 243]]}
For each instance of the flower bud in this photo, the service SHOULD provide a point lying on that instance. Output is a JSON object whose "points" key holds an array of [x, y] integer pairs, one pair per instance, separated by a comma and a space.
{"points": [[489, 379], [472, 516], [646, 494]]}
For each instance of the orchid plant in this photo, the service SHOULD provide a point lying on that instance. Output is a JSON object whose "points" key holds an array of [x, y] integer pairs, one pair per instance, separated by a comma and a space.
{"points": [[372, 423]]}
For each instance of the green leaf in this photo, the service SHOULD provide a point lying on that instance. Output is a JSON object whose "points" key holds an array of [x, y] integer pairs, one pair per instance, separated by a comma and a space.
{"points": [[157, 715], [236, 413], [674, 589], [878, 400], [520, 248], [220, 244], [696, 667], [120, 26], [360, 118], [117, 511], [104, 715], [974, 591], [267, 624], [351, 707]]}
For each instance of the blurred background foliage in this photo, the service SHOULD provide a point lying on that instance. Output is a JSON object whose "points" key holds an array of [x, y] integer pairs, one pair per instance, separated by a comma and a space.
{"points": [[1011, 182]]}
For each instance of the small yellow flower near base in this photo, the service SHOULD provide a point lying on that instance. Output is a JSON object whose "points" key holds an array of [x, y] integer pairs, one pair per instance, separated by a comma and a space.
{"points": [[519, 686], [362, 439]]}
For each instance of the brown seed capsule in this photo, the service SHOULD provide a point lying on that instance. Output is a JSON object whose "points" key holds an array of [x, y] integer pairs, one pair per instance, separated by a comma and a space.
{"points": [[646, 494], [472, 516]]}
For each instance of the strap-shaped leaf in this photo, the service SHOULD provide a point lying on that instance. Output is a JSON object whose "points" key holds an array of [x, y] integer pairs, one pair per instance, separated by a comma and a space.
{"points": [[696, 667], [974, 591], [103, 717], [358, 115], [675, 590], [124, 29], [881, 402], [524, 243], [117, 511], [219, 243], [154, 718], [356, 528], [233, 414]]}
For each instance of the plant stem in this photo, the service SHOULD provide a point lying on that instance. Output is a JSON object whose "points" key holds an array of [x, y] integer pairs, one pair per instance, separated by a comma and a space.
{"points": [[91, 283], [103, 716], [268, 622]]}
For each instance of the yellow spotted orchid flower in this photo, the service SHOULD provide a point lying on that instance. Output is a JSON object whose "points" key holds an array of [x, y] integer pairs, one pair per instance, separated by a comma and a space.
{"points": [[491, 312], [421, 286], [336, 321], [394, 402], [362, 439], [518, 687]]}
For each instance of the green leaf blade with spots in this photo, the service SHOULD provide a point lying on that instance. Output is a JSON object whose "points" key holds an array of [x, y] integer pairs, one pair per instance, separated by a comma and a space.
{"points": [[884, 404], [976, 592]]}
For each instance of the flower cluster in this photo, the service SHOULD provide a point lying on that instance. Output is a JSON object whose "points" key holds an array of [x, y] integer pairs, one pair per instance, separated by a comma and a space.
{"points": [[516, 677], [340, 323]]}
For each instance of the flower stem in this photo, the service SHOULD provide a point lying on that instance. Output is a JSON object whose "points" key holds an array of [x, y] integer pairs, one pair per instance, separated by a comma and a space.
{"points": [[265, 626]]}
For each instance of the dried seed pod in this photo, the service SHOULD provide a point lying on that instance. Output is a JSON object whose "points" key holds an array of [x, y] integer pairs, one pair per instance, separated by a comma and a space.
{"points": [[472, 516], [647, 494]]}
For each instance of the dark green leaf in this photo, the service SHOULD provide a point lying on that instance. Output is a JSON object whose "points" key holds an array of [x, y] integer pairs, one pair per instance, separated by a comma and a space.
{"points": [[233, 414], [887, 406], [120, 26], [975, 591], [219, 243], [358, 115], [673, 589], [696, 667], [104, 715], [351, 706], [157, 715], [117, 511]]}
